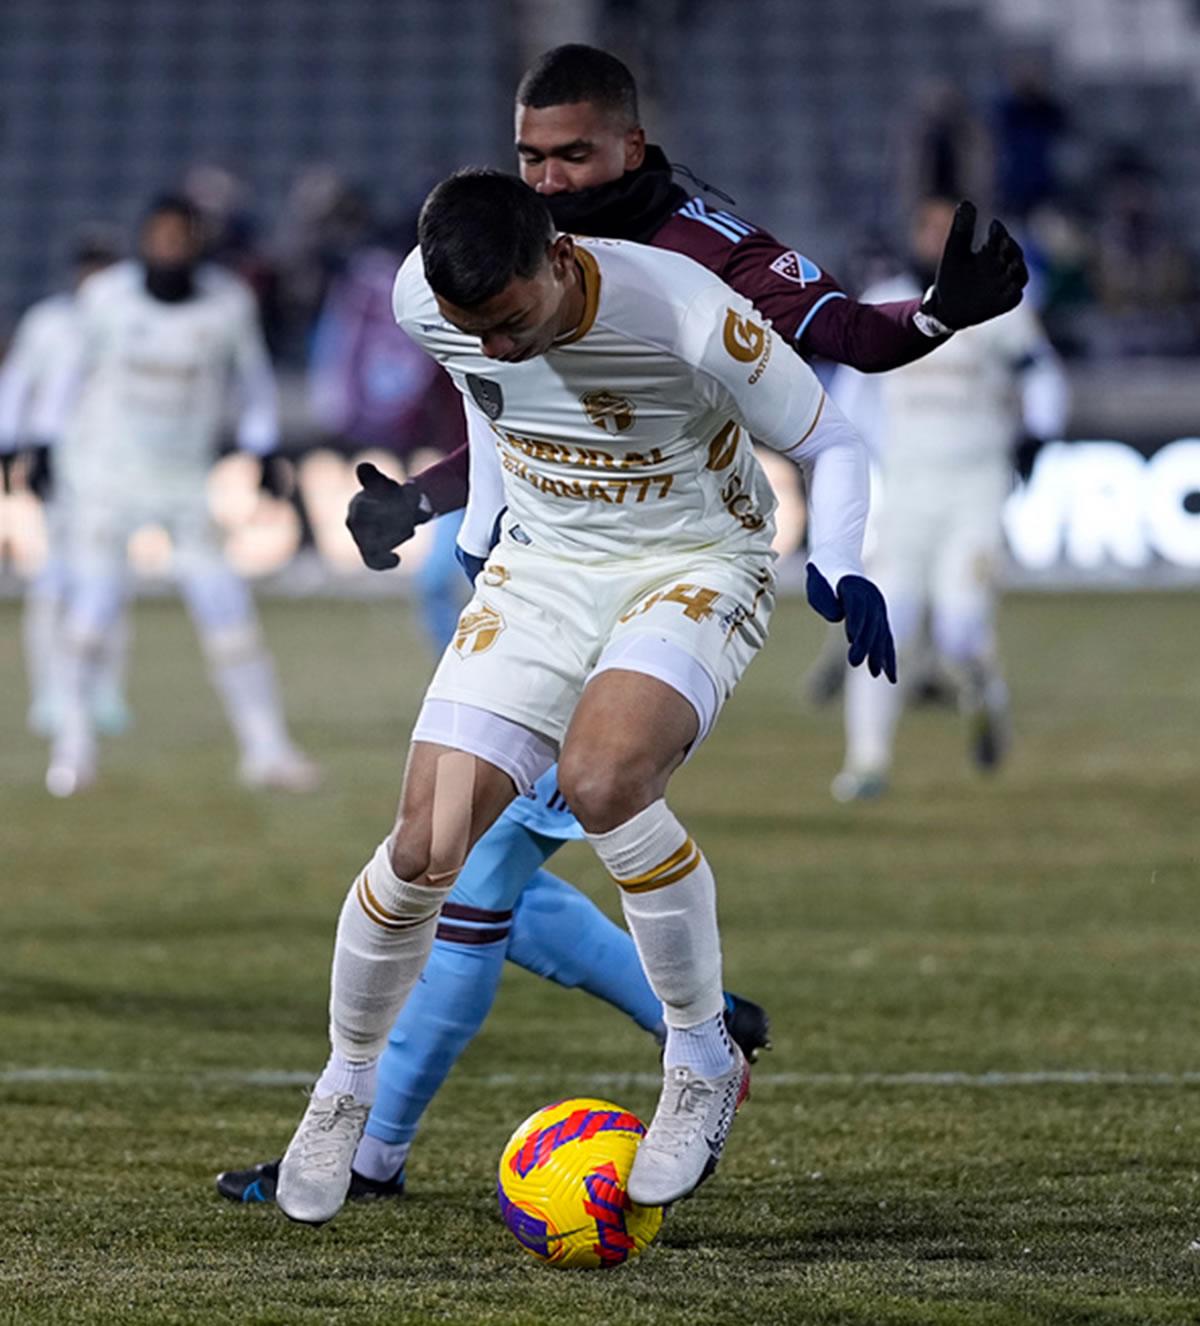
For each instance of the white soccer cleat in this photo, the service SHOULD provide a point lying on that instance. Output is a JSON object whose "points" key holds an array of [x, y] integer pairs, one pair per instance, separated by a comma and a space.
{"points": [[849, 786], [687, 1134], [314, 1174], [290, 771], [65, 778]]}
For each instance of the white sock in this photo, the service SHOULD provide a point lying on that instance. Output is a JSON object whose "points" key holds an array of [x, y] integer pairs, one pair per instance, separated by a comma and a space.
{"points": [[244, 676], [669, 898], [40, 634], [380, 1160], [346, 1077], [75, 740], [705, 1049], [384, 936]]}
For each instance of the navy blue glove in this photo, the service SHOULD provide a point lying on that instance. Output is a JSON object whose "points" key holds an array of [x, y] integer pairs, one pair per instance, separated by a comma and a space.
{"points": [[861, 605]]}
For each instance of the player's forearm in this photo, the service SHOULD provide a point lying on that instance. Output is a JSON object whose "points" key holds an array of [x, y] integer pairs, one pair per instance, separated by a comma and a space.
{"points": [[837, 476], [870, 337], [444, 484]]}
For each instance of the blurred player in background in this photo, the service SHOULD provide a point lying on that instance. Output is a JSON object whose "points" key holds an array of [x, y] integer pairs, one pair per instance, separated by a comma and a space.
{"points": [[139, 410], [946, 434], [371, 387], [580, 144], [43, 341]]}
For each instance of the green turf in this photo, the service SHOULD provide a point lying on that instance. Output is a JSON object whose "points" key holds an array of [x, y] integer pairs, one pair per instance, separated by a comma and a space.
{"points": [[168, 927]]}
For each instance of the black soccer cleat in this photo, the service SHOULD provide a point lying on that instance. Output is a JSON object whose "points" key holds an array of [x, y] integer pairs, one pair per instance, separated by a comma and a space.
{"points": [[748, 1025], [258, 1185]]}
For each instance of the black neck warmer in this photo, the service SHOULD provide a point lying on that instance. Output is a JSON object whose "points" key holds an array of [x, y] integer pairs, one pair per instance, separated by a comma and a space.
{"points": [[633, 207], [171, 283]]}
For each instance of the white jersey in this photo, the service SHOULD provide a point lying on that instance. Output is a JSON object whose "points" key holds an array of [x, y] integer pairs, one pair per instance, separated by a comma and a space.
{"points": [[961, 406], [146, 397], [43, 342], [632, 436]]}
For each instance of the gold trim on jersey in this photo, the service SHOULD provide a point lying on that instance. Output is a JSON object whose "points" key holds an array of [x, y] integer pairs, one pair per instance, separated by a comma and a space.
{"points": [[677, 866], [812, 426], [589, 272]]}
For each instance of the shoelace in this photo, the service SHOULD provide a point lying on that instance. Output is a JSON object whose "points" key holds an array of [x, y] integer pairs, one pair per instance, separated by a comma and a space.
{"points": [[320, 1145], [675, 1126]]}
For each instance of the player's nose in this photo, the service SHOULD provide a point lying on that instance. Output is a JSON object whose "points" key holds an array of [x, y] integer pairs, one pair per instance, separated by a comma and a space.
{"points": [[554, 178], [496, 345]]}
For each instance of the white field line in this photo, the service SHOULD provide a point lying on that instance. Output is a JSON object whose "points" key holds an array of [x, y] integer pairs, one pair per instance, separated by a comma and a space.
{"points": [[764, 1078]]}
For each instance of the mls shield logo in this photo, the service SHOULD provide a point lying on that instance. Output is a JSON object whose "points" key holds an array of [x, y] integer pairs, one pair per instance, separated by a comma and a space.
{"points": [[487, 395], [793, 266], [478, 628]]}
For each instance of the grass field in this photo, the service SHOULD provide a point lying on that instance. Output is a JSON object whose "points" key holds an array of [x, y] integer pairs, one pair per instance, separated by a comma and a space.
{"points": [[174, 933]]}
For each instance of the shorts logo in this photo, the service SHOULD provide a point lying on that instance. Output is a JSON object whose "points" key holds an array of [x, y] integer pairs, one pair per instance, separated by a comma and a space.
{"points": [[793, 266], [608, 411], [743, 339], [477, 630], [487, 395]]}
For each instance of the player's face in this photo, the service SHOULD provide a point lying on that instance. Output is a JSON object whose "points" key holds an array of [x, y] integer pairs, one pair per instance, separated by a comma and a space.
{"points": [[528, 315], [168, 241], [562, 149], [930, 228]]}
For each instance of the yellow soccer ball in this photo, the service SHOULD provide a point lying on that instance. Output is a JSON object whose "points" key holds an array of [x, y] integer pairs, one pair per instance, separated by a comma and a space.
{"points": [[562, 1185]]}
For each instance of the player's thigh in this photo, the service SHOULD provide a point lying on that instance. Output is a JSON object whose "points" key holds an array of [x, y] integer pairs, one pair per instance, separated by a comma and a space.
{"points": [[449, 800], [966, 572]]}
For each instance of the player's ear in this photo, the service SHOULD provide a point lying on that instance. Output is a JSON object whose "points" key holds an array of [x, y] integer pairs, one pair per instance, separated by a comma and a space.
{"points": [[635, 148], [561, 254]]}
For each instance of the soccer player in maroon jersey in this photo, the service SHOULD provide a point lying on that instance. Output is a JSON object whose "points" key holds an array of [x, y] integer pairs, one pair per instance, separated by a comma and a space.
{"points": [[580, 144]]}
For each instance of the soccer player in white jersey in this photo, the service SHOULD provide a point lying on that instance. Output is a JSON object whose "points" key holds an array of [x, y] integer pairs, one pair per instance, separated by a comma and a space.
{"points": [[946, 432], [140, 409], [44, 339], [630, 589]]}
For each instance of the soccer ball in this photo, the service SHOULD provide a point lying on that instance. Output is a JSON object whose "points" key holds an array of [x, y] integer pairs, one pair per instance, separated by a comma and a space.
{"points": [[562, 1185]]}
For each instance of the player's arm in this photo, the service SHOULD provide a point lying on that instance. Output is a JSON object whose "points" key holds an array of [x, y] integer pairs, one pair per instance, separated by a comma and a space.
{"points": [[809, 308], [257, 429], [1045, 392], [779, 401]]}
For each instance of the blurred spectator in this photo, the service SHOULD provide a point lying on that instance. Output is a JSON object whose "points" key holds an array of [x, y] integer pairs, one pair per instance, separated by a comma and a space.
{"points": [[1030, 125], [1144, 278], [947, 152], [325, 220]]}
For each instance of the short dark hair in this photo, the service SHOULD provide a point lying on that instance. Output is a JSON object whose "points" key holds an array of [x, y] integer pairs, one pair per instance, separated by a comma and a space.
{"points": [[580, 73], [173, 204], [477, 231]]}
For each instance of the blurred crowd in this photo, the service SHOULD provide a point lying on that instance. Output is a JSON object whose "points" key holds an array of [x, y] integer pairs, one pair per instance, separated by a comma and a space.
{"points": [[1113, 277]]}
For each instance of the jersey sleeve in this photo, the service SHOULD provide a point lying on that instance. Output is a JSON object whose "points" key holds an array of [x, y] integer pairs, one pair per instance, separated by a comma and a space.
{"points": [[258, 417], [743, 368]]}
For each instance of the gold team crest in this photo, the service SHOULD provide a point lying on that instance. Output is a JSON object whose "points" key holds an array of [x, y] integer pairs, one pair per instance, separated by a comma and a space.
{"points": [[477, 630], [744, 339], [608, 411]]}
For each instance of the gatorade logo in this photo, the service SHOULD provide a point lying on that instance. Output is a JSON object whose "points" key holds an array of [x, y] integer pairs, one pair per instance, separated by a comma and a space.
{"points": [[744, 339]]}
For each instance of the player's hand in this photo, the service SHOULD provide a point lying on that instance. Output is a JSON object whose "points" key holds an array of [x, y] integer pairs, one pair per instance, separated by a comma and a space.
{"points": [[275, 475], [1025, 455], [976, 285], [383, 516], [39, 472], [860, 604]]}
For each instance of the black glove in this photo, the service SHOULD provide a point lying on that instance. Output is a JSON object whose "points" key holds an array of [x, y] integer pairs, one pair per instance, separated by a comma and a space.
{"points": [[275, 475], [39, 473], [1025, 454], [861, 604], [6, 465], [973, 286], [383, 516]]}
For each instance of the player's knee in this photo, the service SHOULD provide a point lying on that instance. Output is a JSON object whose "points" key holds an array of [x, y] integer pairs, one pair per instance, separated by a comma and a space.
{"points": [[408, 853], [605, 792], [961, 637]]}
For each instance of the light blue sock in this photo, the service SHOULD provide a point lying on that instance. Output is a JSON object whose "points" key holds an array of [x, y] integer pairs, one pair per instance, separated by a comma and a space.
{"points": [[450, 1002], [559, 933]]}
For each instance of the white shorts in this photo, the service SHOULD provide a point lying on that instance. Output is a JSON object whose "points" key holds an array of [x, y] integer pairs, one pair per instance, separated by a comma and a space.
{"points": [[538, 628], [97, 527]]}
